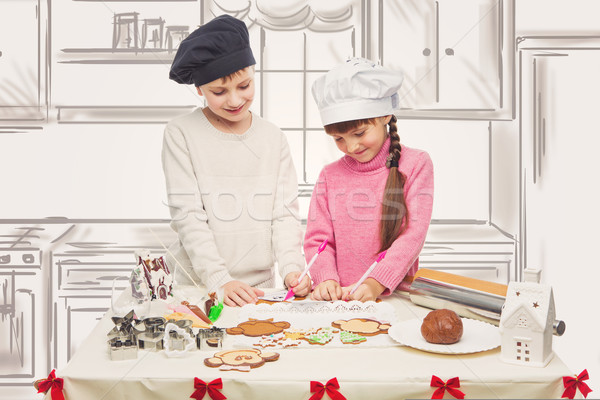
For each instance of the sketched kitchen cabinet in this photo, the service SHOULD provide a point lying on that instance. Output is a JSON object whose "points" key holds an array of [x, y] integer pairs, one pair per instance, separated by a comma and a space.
{"points": [[456, 56], [111, 60], [83, 270], [22, 69], [559, 142], [81, 295], [476, 251]]}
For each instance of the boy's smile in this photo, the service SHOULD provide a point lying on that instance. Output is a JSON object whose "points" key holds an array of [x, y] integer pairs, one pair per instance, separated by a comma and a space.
{"points": [[235, 111], [230, 100]]}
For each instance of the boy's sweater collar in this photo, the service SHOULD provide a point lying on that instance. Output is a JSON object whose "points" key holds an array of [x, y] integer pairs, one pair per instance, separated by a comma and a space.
{"points": [[227, 135], [378, 162]]}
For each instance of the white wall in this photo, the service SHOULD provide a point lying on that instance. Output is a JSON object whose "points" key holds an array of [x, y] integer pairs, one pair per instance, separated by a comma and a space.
{"points": [[114, 171], [83, 172]]}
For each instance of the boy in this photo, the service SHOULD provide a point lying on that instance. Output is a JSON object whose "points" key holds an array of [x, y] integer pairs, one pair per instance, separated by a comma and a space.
{"points": [[231, 182]]}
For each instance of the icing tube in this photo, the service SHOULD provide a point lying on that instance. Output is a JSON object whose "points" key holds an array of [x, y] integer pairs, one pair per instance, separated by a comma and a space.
{"points": [[196, 310]]}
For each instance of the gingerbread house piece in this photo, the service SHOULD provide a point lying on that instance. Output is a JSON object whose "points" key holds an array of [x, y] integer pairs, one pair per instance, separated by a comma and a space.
{"points": [[157, 274], [526, 324]]}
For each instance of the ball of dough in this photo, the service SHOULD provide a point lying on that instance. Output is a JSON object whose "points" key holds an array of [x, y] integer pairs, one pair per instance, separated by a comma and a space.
{"points": [[442, 327]]}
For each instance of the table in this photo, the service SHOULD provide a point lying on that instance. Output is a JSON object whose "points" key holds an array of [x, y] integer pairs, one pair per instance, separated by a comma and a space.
{"points": [[375, 373]]}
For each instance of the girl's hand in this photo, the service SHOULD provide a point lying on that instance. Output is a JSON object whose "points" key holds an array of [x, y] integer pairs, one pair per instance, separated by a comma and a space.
{"points": [[368, 290], [238, 293], [327, 290], [300, 289]]}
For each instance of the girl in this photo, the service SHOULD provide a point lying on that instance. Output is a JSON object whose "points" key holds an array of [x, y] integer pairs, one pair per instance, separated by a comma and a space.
{"points": [[377, 197]]}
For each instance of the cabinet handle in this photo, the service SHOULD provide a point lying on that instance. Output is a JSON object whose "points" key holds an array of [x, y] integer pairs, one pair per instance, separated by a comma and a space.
{"points": [[0, 53], [541, 134], [449, 51], [426, 51]]}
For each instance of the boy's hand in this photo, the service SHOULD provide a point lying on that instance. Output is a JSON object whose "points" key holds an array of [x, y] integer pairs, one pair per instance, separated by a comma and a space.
{"points": [[327, 290], [238, 293], [300, 289], [368, 290]]}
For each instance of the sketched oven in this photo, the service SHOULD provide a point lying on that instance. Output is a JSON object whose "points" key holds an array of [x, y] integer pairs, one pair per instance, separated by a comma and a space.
{"points": [[19, 269]]}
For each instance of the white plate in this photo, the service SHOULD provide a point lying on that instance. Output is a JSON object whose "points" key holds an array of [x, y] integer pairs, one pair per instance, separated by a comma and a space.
{"points": [[477, 336]]}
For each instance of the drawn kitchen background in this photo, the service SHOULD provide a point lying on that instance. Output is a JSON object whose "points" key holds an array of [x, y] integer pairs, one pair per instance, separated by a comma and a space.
{"points": [[502, 95]]}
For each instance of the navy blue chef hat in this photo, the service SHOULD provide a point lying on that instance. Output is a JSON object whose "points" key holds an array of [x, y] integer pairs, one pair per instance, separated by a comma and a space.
{"points": [[216, 49]]}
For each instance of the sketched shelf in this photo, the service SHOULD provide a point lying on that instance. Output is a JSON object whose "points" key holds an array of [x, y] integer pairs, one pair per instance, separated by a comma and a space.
{"points": [[116, 56], [132, 1], [119, 114]]}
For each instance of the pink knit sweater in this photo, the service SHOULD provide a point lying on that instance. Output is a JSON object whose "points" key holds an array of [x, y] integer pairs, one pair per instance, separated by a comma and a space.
{"points": [[345, 208]]}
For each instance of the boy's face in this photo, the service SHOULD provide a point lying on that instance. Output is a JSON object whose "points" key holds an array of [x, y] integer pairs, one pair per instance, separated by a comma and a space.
{"points": [[364, 142], [230, 100]]}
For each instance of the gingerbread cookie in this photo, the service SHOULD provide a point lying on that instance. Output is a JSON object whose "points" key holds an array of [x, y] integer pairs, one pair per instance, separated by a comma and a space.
{"points": [[351, 338], [256, 327], [277, 340], [239, 360], [362, 326], [296, 334], [271, 302], [321, 337], [196, 322]]}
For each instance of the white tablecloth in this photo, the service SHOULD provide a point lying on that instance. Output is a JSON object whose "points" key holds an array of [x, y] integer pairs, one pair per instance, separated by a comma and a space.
{"points": [[374, 373]]}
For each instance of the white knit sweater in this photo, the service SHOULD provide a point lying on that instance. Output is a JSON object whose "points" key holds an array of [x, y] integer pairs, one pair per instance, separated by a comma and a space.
{"points": [[233, 202]]}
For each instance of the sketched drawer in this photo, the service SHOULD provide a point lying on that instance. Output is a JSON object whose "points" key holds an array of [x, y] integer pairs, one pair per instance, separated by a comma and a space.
{"points": [[492, 271], [492, 261], [484, 250], [97, 276], [91, 271]]}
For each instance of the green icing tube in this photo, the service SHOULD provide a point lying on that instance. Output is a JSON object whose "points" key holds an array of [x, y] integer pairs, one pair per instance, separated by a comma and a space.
{"points": [[215, 312]]}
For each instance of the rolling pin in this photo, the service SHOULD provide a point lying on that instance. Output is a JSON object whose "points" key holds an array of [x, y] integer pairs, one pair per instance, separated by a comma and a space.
{"points": [[468, 297]]}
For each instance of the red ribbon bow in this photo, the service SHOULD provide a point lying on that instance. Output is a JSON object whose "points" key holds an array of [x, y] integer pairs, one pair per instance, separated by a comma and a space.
{"points": [[54, 384], [331, 388], [212, 388], [572, 384], [449, 386]]}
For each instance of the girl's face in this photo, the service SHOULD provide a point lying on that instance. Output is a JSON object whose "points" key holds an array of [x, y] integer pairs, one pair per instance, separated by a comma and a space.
{"points": [[230, 100], [363, 143]]}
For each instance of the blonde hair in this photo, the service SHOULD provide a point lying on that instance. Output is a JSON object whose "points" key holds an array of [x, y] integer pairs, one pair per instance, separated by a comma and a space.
{"points": [[229, 77], [394, 214]]}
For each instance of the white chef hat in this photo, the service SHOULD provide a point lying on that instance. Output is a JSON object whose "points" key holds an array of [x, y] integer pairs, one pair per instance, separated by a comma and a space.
{"points": [[356, 89]]}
